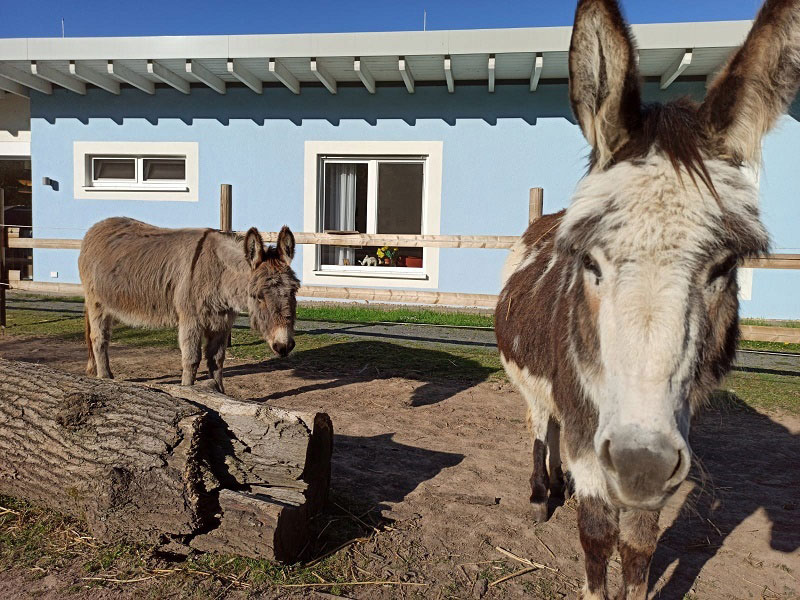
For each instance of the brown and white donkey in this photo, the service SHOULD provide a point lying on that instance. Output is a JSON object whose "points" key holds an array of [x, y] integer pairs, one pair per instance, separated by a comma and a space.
{"points": [[620, 314]]}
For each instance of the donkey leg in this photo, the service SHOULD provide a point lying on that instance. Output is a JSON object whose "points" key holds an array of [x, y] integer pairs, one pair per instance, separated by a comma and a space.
{"points": [[638, 536], [557, 487], [598, 525], [190, 339], [538, 419], [215, 356], [99, 336]]}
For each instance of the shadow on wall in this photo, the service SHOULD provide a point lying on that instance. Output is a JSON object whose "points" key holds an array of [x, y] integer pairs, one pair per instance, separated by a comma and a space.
{"points": [[314, 103], [749, 461], [469, 101]]}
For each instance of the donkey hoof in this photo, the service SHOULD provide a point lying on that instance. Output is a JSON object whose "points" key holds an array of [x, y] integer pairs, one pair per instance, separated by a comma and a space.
{"points": [[539, 511]]}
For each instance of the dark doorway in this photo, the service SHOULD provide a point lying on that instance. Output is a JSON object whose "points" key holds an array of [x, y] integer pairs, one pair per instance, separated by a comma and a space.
{"points": [[15, 180]]}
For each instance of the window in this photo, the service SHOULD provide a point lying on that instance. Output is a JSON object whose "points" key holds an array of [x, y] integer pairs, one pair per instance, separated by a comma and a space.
{"points": [[390, 188], [136, 170], [378, 195]]}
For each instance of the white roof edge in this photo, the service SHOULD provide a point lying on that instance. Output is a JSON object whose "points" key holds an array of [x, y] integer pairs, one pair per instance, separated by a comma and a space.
{"points": [[724, 34]]}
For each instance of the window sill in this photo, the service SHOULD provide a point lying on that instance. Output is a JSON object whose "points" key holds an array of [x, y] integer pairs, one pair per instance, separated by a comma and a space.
{"points": [[378, 273], [134, 189]]}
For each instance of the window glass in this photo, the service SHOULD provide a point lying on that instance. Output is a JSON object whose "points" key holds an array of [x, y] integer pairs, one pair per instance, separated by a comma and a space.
{"points": [[399, 198], [172, 169], [400, 188], [344, 208], [115, 169]]}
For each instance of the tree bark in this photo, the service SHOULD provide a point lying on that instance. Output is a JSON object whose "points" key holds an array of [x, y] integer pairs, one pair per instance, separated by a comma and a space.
{"points": [[169, 465]]}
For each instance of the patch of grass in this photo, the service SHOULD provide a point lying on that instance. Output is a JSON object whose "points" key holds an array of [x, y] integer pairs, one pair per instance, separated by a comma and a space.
{"points": [[31, 537], [771, 323], [766, 391], [45, 541], [770, 346], [364, 314]]}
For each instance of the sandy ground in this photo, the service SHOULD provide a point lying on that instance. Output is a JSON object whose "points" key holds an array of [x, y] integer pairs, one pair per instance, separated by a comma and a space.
{"points": [[447, 463]]}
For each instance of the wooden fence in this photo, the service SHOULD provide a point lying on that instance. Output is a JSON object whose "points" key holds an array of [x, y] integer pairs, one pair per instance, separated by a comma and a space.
{"points": [[453, 299]]}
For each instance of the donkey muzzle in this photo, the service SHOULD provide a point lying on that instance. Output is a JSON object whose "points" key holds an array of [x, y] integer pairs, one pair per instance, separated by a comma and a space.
{"points": [[644, 467]]}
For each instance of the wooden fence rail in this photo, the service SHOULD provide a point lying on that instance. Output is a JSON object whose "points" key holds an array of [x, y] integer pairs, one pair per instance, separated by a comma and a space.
{"points": [[498, 242]]}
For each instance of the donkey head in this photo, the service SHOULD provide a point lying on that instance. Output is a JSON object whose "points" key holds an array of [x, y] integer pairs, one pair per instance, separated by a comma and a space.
{"points": [[272, 288], [655, 232]]}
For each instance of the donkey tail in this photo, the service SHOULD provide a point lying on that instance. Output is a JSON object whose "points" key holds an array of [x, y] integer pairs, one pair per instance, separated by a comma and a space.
{"points": [[91, 365]]}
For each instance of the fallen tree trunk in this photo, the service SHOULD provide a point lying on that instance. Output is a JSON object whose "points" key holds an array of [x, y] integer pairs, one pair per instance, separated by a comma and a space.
{"points": [[173, 466]]}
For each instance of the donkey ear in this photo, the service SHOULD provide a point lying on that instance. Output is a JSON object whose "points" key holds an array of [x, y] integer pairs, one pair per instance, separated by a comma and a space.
{"points": [[253, 247], [757, 84], [286, 245], [603, 78]]}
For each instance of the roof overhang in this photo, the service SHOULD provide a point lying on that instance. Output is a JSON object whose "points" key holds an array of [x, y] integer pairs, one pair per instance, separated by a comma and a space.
{"points": [[531, 55]]}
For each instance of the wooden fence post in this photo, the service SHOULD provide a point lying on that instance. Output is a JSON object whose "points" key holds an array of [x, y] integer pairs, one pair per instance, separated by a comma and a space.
{"points": [[225, 218], [3, 266], [536, 204], [225, 207]]}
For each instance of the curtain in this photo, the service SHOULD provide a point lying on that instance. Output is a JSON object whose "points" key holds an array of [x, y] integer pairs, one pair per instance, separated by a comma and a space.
{"points": [[340, 210]]}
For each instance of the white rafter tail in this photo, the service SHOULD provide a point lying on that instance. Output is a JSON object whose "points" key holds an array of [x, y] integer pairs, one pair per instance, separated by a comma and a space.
{"points": [[321, 73], [492, 69], [245, 76], [59, 78], [536, 73], [448, 74], [203, 75], [162, 73], [26, 79], [405, 73], [675, 70], [125, 75], [283, 75], [364, 75], [86, 74], [12, 87]]}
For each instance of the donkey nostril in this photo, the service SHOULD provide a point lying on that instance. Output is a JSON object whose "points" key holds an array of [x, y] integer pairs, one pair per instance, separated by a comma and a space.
{"points": [[605, 455], [290, 346], [677, 467]]}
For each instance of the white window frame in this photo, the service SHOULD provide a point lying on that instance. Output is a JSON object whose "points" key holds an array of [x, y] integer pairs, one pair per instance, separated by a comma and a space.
{"points": [[319, 153], [86, 187]]}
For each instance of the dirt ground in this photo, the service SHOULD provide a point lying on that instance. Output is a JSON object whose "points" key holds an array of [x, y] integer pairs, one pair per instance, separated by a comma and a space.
{"points": [[446, 464]]}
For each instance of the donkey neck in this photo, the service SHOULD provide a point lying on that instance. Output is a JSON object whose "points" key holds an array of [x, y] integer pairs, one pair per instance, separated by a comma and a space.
{"points": [[235, 275]]}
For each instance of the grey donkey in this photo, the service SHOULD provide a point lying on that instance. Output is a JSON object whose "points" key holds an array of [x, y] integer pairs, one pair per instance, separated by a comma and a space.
{"points": [[197, 279]]}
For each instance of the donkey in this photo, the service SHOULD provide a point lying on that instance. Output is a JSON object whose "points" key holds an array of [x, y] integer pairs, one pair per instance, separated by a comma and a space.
{"points": [[620, 315], [197, 279]]}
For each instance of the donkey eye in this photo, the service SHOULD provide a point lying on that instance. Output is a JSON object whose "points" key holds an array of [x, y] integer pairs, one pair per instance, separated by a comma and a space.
{"points": [[722, 269], [590, 265]]}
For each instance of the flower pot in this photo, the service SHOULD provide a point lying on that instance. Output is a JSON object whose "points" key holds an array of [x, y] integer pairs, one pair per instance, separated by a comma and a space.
{"points": [[413, 262]]}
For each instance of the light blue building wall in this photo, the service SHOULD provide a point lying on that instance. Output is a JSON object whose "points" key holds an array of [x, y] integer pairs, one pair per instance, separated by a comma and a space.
{"points": [[495, 147]]}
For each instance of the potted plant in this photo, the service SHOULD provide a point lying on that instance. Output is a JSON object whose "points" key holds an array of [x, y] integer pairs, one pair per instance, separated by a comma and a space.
{"points": [[388, 255]]}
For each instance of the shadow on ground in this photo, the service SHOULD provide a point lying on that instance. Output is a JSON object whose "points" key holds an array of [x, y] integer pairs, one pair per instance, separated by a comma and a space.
{"points": [[748, 463], [339, 364]]}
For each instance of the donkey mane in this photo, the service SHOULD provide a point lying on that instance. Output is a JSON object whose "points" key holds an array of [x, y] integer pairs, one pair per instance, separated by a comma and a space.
{"points": [[677, 131]]}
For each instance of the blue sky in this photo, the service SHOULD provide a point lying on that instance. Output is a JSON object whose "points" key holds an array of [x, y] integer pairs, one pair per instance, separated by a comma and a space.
{"points": [[42, 18]]}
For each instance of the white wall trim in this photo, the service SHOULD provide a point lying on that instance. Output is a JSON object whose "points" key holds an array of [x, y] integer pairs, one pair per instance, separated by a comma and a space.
{"points": [[15, 149], [82, 191], [431, 217]]}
